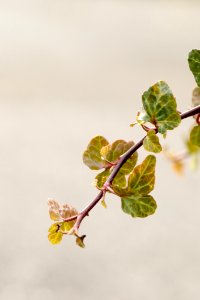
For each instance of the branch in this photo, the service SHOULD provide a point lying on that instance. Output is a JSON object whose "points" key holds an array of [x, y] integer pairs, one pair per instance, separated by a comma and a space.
{"points": [[122, 160], [191, 112]]}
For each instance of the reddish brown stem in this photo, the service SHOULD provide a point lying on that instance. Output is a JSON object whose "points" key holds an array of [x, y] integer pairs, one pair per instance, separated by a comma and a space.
{"points": [[198, 119]]}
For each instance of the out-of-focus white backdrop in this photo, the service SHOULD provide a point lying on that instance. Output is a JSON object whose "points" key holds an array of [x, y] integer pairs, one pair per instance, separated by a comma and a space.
{"points": [[70, 70]]}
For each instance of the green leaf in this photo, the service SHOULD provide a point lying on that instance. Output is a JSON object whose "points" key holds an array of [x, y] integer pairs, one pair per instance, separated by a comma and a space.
{"points": [[141, 206], [160, 107], [55, 238], [151, 142], [142, 178], [92, 157], [194, 64], [195, 136], [101, 178]]}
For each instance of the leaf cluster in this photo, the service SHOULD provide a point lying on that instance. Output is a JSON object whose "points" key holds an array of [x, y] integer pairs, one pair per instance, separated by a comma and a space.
{"points": [[59, 214], [132, 183]]}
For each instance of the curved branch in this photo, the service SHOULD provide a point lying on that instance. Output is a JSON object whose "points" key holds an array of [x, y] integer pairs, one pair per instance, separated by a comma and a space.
{"points": [[122, 160]]}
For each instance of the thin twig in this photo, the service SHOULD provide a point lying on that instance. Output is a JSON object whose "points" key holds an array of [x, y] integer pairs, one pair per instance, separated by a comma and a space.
{"points": [[189, 113]]}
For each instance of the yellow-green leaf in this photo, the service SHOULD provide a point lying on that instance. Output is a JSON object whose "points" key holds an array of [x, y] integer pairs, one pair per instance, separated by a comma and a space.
{"points": [[55, 238], [80, 241], [129, 164], [140, 181], [141, 206], [142, 178], [195, 160], [67, 226], [192, 149], [194, 64], [55, 216], [54, 227], [160, 107], [118, 183], [101, 178], [92, 157], [195, 136], [151, 142], [103, 203], [113, 151]]}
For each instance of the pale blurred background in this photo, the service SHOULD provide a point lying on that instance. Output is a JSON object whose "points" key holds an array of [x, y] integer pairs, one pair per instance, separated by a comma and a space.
{"points": [[70, 70]]}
